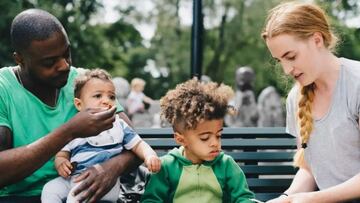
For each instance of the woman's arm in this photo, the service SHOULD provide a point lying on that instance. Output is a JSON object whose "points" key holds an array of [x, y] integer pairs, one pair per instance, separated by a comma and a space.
{"points": [[303, 182], [346, 191]]}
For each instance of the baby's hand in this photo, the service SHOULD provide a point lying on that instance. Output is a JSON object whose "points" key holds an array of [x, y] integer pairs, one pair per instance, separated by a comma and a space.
{"points": [[153, 163], [64, 168]]}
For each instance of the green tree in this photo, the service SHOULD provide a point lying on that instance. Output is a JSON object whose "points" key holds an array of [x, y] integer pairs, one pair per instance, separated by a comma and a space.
{"points": [[114, 47]]}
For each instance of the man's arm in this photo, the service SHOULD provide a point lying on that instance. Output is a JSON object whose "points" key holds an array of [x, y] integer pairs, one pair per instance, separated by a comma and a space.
{"points": [[18, 163]]}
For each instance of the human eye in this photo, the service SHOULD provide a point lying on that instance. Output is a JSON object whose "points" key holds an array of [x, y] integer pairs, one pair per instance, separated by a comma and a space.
{"points": [[204, 137], [112, 97], [49, 62], [97, 96], [291, 57]]}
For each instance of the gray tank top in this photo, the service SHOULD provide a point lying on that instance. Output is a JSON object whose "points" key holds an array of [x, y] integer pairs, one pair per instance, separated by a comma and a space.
{"points": [[333, 152]]}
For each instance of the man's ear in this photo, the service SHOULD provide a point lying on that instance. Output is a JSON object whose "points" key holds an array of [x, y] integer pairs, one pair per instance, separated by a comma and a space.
{"points": [[77, 103], [18, 58], [179, 139]]}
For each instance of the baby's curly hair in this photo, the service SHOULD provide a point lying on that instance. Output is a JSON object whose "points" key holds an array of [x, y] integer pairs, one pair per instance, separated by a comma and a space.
{"points": [[194, 101], [83, 78]]}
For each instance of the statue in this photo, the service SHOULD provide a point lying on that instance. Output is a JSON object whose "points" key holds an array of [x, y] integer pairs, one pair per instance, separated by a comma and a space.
{"points": [[122, 89], [244, 100], [205, 78], [271, 113]]}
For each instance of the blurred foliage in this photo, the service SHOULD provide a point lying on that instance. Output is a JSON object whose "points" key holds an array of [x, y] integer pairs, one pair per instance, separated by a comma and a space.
{"points": [[231, 39], [115, 47]]}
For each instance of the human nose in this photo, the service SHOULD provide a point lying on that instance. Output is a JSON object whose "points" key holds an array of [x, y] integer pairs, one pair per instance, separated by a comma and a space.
{"points": [[215, 142], [288, 68], [106, 102], [64, 64]]}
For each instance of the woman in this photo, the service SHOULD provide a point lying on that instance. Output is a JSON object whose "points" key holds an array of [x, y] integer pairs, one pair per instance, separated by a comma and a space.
{"points": [[323, 106]]}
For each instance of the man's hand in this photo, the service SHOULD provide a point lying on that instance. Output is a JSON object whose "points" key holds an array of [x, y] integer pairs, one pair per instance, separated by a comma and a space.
{"points": [[153, 163], [91, 122], [95, 183]]}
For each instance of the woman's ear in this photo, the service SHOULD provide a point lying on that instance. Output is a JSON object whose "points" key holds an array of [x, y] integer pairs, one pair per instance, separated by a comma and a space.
{"points": [[318, 39], [77, 103], [179, 139]]}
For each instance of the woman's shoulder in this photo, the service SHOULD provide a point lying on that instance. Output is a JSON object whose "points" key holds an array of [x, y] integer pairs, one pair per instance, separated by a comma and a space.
{"points": [[351, 68], [293, 94]]}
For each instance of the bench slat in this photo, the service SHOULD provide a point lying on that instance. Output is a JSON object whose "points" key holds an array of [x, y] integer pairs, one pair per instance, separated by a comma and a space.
{"points": [[268, 185], [276, 143], [246, 132], [268, 170], [262, 156], [253, 156]]}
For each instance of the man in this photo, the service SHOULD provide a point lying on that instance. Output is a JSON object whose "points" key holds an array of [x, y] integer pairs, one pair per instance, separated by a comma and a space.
{"points": [[37, 116]]}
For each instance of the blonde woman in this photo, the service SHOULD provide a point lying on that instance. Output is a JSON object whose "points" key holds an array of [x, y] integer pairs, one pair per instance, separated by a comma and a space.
{"points": [[322, 108]]}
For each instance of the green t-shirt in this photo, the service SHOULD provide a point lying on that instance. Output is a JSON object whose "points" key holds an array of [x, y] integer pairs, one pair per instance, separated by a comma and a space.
{"points": [[30, 119]]}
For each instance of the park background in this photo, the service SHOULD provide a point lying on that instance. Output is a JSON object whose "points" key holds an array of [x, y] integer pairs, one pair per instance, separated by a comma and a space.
{"points": [[151, 39]]}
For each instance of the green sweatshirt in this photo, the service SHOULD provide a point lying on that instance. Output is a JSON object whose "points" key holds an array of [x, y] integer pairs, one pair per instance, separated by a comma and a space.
{"points": [[178, 181]]}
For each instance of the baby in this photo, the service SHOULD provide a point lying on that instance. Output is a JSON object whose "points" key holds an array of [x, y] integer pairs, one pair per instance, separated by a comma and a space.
{"points": [[94, 89]]}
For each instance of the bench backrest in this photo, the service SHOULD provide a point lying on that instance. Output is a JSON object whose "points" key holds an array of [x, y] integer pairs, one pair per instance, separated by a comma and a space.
{"points": [[264, 154]]}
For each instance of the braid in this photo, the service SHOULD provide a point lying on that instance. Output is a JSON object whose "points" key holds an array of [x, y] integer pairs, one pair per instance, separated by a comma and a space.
{"points": [[305, 120]]}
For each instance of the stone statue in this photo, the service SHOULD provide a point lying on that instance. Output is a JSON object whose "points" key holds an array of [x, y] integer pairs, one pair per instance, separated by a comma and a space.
{"points": [[205, 78], [244, 100], [122, 89], [271, 111]]}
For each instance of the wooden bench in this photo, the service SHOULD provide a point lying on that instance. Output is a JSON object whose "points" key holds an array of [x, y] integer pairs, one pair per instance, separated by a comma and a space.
{"points": [[264, 154]]}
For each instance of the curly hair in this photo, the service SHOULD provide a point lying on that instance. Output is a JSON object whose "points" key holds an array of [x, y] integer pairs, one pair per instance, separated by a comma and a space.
{"points": [[83, 78], [194, 101]]}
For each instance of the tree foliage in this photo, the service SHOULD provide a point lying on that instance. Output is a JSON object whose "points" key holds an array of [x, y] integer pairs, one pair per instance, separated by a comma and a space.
{"points": [[231, 38], [110, 46]]}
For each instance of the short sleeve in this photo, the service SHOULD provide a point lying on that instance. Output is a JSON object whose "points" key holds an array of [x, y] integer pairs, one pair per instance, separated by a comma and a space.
{"points": [[4, 114], [131, 138], [291, 112]]}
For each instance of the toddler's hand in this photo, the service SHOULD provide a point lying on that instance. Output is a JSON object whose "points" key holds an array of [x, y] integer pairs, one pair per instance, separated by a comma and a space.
{"points": [[64, 168], [153, 163]]}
